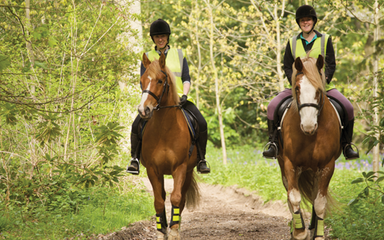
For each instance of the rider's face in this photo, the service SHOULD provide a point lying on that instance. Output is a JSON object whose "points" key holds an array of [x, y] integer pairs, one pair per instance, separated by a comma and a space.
{"points": [[161, 40], [306, 24]]}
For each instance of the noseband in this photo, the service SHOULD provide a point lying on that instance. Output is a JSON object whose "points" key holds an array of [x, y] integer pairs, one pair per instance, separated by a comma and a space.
{"points": [[319, 106], [158, 99]]}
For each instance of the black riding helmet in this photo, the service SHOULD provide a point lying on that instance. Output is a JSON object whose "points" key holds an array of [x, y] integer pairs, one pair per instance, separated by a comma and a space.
{"points": [[306, 11], [159, 27]]}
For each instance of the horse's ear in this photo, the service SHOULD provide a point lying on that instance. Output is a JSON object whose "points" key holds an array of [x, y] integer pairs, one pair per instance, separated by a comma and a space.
{"points": [[162, 61], [298, 64], [320, 62], [146, 61]]}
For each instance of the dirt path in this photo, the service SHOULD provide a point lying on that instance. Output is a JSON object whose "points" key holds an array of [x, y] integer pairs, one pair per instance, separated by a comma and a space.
{"points": [[224, 214]]}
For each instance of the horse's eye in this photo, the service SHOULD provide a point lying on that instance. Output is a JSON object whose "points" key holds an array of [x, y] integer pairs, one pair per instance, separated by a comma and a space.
{"points": [[160, 81]]}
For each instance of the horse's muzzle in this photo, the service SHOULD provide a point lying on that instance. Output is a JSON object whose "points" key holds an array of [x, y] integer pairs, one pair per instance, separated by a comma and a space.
{"points": [[309, 130], [146, 113]]}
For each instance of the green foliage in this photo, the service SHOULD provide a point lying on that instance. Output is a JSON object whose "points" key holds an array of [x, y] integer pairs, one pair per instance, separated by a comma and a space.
{"points": [[362, 217]]}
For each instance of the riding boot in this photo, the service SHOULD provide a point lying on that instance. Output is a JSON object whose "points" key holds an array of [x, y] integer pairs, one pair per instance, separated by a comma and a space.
{"points": [[272, 150], [202, 145], [134, 165], [346, 141]]}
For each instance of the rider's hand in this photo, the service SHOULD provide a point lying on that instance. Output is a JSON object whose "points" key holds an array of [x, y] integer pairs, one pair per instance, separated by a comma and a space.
{"points": [[183, 100]]}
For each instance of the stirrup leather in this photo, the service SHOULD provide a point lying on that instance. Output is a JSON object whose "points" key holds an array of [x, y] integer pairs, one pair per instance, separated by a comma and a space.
{"points": [[135, 172], [266, 147]]}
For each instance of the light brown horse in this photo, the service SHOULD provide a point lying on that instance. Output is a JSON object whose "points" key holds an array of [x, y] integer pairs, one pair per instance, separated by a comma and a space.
{"points": [[165, 145], [310, 146]]}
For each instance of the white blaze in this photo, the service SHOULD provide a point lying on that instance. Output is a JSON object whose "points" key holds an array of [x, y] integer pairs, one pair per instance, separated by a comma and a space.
{"points": [[144, 97], [308, 95]]}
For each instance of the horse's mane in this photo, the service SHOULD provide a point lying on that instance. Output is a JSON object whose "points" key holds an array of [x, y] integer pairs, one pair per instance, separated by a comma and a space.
{"points": [[311, 72], [154, 68]]}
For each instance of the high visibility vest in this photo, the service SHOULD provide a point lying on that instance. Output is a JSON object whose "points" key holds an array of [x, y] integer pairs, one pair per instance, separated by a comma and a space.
{"points": [[174, 62], [319, 47]]}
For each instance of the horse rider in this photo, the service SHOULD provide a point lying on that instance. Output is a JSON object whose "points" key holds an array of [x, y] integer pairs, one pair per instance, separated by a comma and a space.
{"points": [[310, 39], [177, 63]]}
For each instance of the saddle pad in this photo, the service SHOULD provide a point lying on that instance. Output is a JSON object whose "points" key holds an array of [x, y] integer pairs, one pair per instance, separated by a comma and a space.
{"points": [[189, 123]]}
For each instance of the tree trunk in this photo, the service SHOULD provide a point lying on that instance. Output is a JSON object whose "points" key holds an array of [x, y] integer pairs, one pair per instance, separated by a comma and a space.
{"points": [[217, 89], [376, 149]]}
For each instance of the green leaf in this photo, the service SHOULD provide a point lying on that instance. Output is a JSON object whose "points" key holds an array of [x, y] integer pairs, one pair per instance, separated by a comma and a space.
{"points": [[382, 199], [353, 201], [357, 180], [366, 191]]}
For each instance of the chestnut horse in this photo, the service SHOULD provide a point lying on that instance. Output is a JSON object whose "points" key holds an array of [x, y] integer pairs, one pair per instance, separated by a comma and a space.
{"points": [[165, 145], [310, 145]]}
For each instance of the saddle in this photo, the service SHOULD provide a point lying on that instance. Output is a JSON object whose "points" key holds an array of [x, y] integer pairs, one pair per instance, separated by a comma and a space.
{"points": [[285, 104], [192, 123]]}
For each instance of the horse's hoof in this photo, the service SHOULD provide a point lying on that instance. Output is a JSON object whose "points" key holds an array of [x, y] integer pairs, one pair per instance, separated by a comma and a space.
{"points": [[161, 236], [300, 236], [174, 234]]}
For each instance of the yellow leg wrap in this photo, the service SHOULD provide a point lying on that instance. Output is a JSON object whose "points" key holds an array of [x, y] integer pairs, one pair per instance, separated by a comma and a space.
{"points": [[297, 220], [320, 228]]}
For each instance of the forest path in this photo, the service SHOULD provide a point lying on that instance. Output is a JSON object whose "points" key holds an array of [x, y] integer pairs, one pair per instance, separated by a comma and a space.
{"points": [[224, 213]]}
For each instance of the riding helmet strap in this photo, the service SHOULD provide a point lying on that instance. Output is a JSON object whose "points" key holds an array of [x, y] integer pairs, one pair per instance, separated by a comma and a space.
{"points": [[161, 222], [175, 217]]}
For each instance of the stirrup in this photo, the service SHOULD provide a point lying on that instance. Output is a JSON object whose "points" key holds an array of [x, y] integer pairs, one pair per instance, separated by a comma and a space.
{"points": [[134, 172], [351, 144], [266, 147], [198, 166]]}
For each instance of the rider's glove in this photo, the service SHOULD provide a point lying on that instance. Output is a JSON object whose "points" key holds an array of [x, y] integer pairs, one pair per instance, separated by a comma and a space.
{"points": [[183, 100]]}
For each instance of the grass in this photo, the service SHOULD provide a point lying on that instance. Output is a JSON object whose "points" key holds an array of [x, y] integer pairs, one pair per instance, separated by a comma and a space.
{"points": [[105, 210]]}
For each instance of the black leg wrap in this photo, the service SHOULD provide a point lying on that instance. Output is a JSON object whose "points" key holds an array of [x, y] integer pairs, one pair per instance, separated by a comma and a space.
{"points": [[312, 224], [161, 222], [175, 217]]}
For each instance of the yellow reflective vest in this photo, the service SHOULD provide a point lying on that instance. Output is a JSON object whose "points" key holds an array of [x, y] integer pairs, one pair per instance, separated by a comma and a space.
{"points": [[319, 47], [174, 62]]}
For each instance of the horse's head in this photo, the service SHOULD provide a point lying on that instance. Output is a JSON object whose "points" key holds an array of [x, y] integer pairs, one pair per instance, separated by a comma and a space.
{"points": [[156, 83], [308, 83]]}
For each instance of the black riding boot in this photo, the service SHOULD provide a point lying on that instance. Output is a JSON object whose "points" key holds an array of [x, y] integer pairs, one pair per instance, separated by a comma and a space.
{"points": [[134, 165], [201, 162], [346, 142], [271, 152]]}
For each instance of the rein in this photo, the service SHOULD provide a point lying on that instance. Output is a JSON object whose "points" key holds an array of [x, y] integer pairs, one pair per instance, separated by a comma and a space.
{"points": [[158, 99], [318, 106]]}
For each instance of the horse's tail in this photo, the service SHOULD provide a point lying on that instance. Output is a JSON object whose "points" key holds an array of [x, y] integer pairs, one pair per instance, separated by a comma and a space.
{"points": [[192, 197], [307, 188]]}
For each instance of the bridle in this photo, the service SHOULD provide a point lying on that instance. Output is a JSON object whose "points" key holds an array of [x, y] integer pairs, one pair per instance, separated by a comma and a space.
{"points": [[158, 99], [318, 106]]}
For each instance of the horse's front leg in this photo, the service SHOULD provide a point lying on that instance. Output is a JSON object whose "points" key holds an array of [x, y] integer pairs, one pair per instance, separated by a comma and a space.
{"points": [[298, 230], [320, 203], [159, 193], [177, 201]]}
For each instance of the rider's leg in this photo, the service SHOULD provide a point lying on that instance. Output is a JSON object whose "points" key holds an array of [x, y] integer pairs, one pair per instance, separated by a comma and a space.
{"points": [[347, 132], [271, 152], [272, 145], [346, 141], [134, 165], [202, 140]]}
